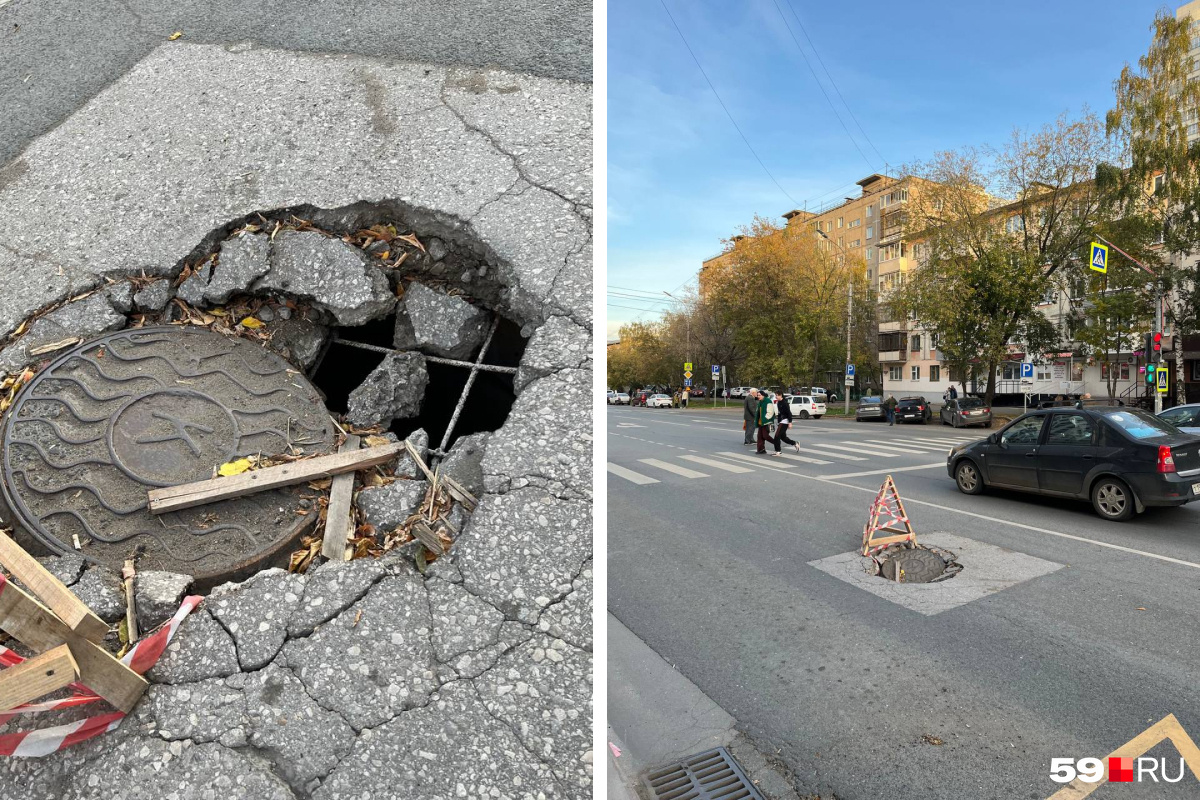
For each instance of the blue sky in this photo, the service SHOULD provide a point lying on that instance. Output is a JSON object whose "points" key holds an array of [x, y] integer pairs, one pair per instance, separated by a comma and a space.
{"points": [[919, 76]]}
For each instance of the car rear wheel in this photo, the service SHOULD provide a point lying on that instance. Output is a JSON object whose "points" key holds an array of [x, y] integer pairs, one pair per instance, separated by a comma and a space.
{"points": [[1112, 499], [803, 415], [967, 476]]}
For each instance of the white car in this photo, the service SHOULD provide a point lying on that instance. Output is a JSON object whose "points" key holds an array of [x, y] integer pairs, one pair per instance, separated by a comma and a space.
{"points": [[622, 399], [739, 391], [806, 405], [1186, 417], [612, 397], [658, 401]]}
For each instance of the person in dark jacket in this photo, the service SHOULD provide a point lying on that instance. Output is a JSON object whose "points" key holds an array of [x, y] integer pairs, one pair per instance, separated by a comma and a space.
{"points": [[783, 421], [889, 406], [750, 415], [766, 411]]}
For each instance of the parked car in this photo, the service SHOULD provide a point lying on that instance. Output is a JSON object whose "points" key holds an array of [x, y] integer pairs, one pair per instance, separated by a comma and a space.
{"points": [[640, 396], [805, 405], [659, 401], [1121, 459], [870, 408], [913, 409], [1186, 418], [739, 391], [622, 399], [964, 411], [696, 391], [610, 397]]}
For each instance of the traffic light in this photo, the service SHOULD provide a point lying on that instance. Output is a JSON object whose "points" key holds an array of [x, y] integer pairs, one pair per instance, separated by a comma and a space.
{"points": [[1156, 346], [1150, 374]]}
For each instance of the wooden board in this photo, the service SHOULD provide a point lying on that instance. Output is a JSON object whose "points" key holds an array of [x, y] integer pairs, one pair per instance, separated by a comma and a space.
{"points": [[459, 493], [420, 462], [339, 524], [37, 677], [30, 623], [51, 591], [189, 495]]}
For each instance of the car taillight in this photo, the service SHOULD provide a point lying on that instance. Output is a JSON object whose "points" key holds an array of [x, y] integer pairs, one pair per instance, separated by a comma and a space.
{"points": [[1166, 463], [920, 408], [987, 410]]}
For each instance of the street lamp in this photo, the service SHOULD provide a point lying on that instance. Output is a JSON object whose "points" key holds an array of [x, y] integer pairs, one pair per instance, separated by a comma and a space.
{"points": [[849, 309], [689, 329]]}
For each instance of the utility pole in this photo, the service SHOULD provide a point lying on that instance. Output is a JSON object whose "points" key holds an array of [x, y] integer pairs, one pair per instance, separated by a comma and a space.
{"points": [[849, 316], [1158, 309]]}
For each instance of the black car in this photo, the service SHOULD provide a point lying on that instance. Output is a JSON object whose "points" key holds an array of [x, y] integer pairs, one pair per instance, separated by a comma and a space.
{"points": [[913, 409], [1122, 459]]}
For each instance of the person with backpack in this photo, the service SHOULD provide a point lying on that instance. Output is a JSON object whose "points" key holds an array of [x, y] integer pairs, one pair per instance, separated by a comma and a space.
{"points": [[784, 420], [766, 412], [889, 406]]}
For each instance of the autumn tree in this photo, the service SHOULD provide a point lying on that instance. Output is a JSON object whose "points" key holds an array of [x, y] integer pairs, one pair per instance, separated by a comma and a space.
{"points": [[642, 357], [1160, 177], [994, 230]]}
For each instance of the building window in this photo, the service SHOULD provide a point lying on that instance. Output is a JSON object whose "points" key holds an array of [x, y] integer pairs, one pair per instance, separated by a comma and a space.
{"points": [[870, 231], [916, 344], [1015, 224], [856, 243], [916, 373], [935, 373], [893, 373], [839, 222], [1042, 372], [870, 211], [854, 223], [1160, 180], [870, 250], [841, 243]]}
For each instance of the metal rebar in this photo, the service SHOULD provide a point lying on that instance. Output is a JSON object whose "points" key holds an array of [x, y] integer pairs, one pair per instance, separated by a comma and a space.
{"points": [[462, 398], [435, 359]]}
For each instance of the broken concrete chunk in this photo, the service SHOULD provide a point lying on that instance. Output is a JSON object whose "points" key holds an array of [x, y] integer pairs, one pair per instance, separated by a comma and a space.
{"points": [[243, 260], [256, 613], [297, 339], [559, 344], [442, 324], [464, 463], [201, 649], [120, 296], [335, 275], [407, 468], [386, 507], [154, 297], [394, 390], [158, 595], [191, 291], [67, 569], [100, 590], [81, 319]]}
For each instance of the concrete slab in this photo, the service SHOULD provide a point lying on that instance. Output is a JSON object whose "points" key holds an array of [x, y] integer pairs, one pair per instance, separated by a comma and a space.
{"points": [[987, 569]]}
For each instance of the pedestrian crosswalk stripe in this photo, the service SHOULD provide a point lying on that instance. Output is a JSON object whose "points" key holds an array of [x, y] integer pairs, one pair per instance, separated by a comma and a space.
{"points": [[888, 448], [842, 456], [756, 459], [808, 460], [920, 447], [678, 470], [630, 475], [863, 451], [712, 462]]}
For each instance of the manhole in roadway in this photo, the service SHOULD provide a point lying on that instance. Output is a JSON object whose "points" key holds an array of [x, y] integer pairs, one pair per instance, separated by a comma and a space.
{"points": [[105, 422], [916, 565]]}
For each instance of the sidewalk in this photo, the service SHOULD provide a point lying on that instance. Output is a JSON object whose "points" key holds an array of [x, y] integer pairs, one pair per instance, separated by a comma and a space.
{"points": [[655, 714]]}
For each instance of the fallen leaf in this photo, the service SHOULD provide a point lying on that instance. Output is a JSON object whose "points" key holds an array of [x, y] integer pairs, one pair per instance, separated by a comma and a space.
{"points": [[217, 312], [931, 739], [357, 618], [1139, 608], [412, 239], [376, 441], [174, 36], [234, 467], [252, 322]]}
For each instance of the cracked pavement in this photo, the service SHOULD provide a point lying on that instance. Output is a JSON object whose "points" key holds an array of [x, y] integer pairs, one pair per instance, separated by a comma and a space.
{"points": [[365, 678]]}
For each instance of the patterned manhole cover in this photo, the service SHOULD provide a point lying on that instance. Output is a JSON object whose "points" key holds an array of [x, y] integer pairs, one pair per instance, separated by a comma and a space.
{"points": [[101, 425]]}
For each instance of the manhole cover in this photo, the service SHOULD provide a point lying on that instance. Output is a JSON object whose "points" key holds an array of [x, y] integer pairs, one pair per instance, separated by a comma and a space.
{"points": [[114, 417], [918, 565], [711, 775]]}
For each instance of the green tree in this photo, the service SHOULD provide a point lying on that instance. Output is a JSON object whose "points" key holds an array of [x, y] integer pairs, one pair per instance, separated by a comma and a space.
{"points": [[1160, 175], [642, 357]]}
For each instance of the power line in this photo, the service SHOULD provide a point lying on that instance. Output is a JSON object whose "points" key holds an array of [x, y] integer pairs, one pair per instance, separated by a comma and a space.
{"points": [[631, 308], [821, 86], [723, 106], [627, 289], [832, 82]]}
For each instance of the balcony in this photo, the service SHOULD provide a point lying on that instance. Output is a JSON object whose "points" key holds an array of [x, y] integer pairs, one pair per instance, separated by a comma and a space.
{"points": [[893, 356], [893, 327]]}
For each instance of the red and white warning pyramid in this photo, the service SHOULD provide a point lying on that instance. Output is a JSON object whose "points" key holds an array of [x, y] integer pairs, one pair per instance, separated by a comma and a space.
{"points": [[886, 511]]}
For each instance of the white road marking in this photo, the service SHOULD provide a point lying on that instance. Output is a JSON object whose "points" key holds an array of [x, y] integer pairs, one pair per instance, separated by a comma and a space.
{"points": [[630, 475], [842, 456], [913, 446], [808, 460], [865, 452], [758, 460], [899, 449], [629, 425], [712, 462], [678, 470], [941, 464]]}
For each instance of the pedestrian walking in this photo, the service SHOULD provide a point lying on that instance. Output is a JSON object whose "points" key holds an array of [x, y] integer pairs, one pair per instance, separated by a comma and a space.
{"points": [[953, 392], [685, 397], [784, 421], [766, 412], [889, 406], [750, 415]]}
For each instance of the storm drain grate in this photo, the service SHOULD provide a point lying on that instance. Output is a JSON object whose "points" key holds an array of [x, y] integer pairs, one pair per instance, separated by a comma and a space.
{"points": [[711, 775]]}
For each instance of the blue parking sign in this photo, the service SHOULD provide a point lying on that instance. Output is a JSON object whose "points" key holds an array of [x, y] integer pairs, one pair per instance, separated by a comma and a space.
{"points": [[1026, 369], [849, 370]]}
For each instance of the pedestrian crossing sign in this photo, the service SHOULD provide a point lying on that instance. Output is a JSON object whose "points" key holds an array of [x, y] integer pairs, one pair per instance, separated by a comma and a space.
{"points": [[1099, 261], [1160, 377]]}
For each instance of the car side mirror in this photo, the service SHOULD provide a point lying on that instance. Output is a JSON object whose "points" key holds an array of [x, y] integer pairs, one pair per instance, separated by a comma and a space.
{"points": [[993, 438]]}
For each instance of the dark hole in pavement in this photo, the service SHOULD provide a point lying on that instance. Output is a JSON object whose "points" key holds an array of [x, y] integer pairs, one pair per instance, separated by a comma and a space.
{"points": [[507, 346], [487, 405], [344, 368]]}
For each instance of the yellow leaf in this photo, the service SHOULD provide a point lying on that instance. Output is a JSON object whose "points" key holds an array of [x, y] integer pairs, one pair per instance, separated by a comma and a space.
{"points": [[220, 312], [174, 36], [234, 467], [252, 322], [376, 441]]}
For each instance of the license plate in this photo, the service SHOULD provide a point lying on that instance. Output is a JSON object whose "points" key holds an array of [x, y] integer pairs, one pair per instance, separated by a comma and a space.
{"points": [[1196, 488]]}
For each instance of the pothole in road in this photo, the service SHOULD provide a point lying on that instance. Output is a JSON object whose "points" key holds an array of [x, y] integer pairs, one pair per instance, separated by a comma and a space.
{"points": [[385, 317], [916, 564]]}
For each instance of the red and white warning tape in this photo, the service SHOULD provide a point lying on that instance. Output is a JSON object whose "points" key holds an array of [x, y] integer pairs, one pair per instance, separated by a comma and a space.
{"points": [[141, 657]]}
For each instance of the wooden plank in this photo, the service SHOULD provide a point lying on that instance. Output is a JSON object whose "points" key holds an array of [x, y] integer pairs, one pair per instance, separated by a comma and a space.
{"points": [[51, 591], [34, 626], [37, 677], [459, 493], [420, 462], [189, 495], [426, 536], [339, 524]]}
